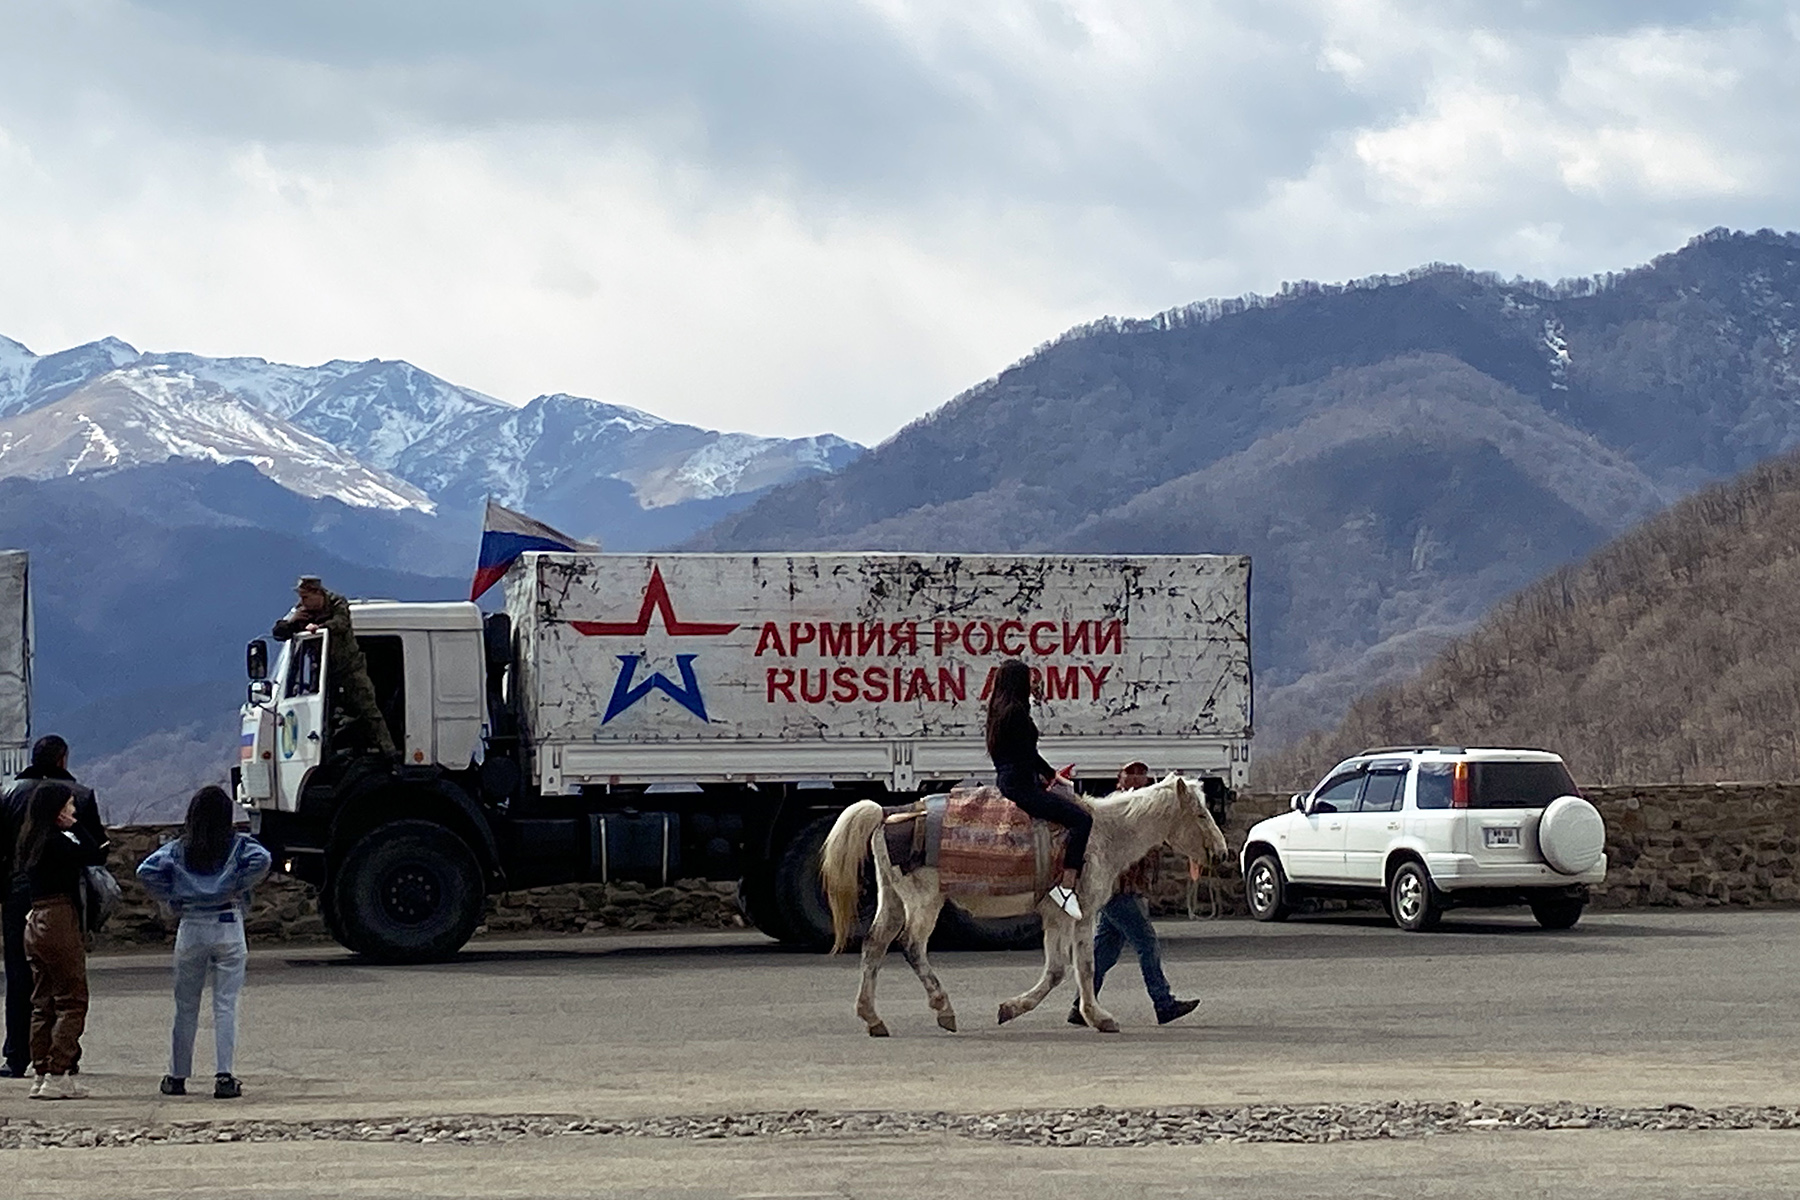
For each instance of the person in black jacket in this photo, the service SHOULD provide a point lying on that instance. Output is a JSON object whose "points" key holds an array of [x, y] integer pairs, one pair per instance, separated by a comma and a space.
{"points": [[54, 853], [49, 764], [1024, 777]]}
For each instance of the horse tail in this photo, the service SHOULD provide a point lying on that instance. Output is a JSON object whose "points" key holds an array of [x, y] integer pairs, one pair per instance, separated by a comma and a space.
{"points": [[840, 866]]}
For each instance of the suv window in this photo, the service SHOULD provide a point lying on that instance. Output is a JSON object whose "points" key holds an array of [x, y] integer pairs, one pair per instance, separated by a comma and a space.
{"points": [[1517, 784], [1436, 781], [1495, 784], [1382, 792], [1338, 794]]}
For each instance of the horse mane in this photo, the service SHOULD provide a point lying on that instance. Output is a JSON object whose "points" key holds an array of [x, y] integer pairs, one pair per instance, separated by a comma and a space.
{"points": [[1135, 805]]}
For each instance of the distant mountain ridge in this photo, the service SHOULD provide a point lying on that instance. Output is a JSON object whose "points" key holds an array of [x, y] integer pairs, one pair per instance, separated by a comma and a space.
{"points": [[387, 434], [1396, 455]]}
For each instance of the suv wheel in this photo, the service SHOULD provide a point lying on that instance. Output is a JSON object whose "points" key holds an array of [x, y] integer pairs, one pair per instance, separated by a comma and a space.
{"points": [[1265, 889], [1412, 899], [1559, 912]]}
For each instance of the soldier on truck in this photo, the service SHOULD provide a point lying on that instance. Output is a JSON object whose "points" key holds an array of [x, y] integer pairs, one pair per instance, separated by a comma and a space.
{"points": [[358, 715]]}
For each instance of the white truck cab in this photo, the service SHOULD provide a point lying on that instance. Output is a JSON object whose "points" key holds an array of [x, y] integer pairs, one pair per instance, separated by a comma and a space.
{"points": [[426, 664]]}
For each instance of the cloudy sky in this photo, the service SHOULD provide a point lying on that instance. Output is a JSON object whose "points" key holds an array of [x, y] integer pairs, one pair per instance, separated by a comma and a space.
{"points": [[793, 217]]}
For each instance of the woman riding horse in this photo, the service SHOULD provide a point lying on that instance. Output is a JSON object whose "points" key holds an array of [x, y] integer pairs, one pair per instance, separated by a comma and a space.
{"points": [[1024, 777]]}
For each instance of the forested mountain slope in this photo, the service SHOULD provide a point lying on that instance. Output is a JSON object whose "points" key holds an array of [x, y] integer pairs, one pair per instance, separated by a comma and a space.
{"points": [[1671, 654], [1396, 455]]}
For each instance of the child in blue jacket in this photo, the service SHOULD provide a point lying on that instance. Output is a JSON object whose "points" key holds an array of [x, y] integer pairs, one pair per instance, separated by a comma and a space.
{"points": [[205, 876]]}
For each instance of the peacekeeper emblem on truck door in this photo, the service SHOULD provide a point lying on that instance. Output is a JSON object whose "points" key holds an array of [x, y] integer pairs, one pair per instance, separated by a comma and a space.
{"points": [[289, 724], [628, 689]]}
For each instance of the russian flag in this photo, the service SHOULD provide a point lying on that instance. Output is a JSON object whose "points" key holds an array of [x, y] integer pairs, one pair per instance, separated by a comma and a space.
{"points": [[505, 535]]}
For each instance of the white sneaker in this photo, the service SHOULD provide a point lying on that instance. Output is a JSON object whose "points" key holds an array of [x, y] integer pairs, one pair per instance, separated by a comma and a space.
{"points": [[64, 1087], [37, 1086], [1065, 899]]}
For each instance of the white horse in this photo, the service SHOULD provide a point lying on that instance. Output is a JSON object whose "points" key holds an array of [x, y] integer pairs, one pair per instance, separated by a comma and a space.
{"points": [[1127, 826]]}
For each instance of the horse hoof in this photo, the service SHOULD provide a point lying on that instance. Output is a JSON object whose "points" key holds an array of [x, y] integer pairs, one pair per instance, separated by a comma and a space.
{"points": [[1007, 1013], [947, 1021], [1108, 1026], [878, 1029]]}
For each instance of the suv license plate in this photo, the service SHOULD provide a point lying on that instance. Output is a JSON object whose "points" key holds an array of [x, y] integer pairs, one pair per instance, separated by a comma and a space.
{"points": [[1500, 835]]}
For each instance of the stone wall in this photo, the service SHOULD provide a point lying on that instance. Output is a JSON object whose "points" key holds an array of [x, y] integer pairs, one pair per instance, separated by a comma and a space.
{"points": [[1688, 845], [285, 910]]}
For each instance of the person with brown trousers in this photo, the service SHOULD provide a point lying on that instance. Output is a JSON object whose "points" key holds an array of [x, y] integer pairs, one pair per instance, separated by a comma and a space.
{"points": [[49, 766], [54, 853]]}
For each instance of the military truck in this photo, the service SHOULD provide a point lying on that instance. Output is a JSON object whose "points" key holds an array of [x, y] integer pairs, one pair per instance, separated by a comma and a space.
{"points": [[15, 661], [666, 716]]}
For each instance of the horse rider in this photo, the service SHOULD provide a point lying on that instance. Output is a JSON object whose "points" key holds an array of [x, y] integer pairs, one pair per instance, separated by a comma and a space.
{"points": [[1025, 778]]}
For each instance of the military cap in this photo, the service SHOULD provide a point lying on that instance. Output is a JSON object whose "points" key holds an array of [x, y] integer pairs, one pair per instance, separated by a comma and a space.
{"points": [[309, 583]]}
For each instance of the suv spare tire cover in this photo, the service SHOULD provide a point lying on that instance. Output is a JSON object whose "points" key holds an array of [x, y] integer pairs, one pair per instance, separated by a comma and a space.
{"points": [[1571, 835]]}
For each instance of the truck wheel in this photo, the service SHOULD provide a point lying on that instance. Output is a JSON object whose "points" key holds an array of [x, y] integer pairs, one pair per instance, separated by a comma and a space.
{"points": [[410, 891], [756, 900], [957, 930], [802, 913], [332, 913]]}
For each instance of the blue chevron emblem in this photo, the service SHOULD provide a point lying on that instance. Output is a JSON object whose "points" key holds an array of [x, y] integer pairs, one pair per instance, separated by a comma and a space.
{"points": [[627, 692]]}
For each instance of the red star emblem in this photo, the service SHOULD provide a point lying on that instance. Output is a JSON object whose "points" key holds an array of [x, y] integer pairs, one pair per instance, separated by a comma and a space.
{"points": [[656, 599]]}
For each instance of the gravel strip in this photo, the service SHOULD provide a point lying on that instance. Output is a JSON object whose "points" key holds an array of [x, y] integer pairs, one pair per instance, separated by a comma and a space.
{"points": [[1037, 1127]]}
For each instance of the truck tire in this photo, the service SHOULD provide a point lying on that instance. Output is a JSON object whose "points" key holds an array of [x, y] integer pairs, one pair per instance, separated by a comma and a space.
{"points": [[801, 912], [331, 912], [756, 900], [409, 891]]}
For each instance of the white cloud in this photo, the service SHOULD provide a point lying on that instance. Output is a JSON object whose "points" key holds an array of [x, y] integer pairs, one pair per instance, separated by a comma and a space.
{"points": [[788, 218]]}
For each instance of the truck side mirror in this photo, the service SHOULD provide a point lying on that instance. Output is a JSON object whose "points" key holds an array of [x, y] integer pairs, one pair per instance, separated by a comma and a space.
{"points": [[256, 659], [261, 691]]}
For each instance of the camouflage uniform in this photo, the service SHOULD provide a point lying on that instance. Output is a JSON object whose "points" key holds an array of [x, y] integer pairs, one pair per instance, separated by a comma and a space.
{"points": [[357, 715]]}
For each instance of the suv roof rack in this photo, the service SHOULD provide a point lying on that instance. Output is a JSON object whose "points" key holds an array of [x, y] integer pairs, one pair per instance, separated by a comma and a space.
{"points": [[1411, 750]]}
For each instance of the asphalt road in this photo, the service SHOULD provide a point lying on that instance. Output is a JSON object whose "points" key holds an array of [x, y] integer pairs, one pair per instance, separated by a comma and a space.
{"points": [[1627, 1009]]}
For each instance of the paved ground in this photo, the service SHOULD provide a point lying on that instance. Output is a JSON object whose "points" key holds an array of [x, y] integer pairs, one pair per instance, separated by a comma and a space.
{"points": [[1629, 1009]]}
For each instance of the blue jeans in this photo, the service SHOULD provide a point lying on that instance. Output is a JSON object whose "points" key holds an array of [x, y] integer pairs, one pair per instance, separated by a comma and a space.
{"points": [[1126, 918], [209, 947]]}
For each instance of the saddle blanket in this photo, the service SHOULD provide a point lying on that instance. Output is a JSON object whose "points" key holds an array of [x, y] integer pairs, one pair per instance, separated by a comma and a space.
{"points": [[981, 843]]}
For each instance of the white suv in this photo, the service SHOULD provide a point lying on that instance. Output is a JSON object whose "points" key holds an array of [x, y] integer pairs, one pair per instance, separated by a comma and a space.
{"points": [[1428, 828]]}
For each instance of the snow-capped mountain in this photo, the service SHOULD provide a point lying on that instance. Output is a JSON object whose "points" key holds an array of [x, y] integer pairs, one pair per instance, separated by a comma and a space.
{"points": [[376, 410], [28, 380], [377, 427], [151, 413], [540, 452]]}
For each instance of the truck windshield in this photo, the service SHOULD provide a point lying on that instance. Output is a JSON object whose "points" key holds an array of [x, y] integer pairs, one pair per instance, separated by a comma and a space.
{"points": [[303, 667]]}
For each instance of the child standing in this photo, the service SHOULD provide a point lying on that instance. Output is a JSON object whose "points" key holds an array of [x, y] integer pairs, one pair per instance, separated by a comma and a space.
{"points": [[205, 876]]}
